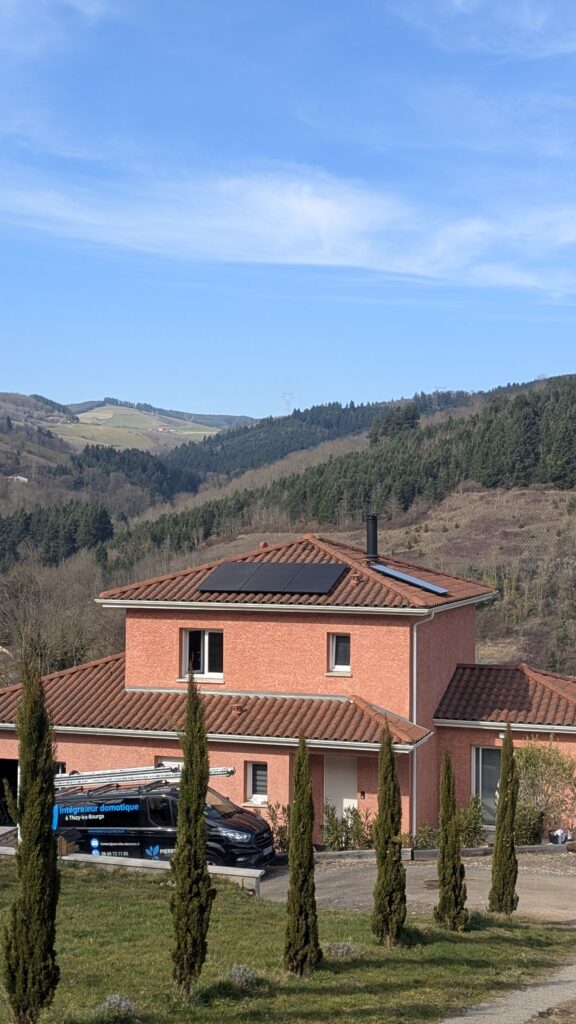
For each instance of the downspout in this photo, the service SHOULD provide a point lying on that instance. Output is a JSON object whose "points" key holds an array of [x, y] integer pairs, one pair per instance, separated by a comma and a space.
{"points": [[413, 715]]}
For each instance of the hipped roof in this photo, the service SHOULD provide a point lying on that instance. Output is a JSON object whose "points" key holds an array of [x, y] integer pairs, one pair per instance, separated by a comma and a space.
{"points": [[515, 694], [360, 586], [93, 697]]}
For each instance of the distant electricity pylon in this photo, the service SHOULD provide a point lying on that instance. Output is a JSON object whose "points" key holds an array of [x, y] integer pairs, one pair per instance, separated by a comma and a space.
{"points": [[288, 397]]}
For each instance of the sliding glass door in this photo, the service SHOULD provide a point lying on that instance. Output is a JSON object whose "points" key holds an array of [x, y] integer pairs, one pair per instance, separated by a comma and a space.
{"points": [[486, 775]]}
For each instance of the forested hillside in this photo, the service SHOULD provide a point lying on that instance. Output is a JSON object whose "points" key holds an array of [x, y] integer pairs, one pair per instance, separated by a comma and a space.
{"points": [[52, 532], [225, 455], [526, 440]]}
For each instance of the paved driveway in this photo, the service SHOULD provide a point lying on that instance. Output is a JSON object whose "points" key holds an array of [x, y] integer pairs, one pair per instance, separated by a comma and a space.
{"points": [[546, 885]]}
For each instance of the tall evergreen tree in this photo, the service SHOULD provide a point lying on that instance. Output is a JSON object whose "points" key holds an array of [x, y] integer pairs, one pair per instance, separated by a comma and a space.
{"points": [[31, 973], [389, 911], [193, 892], [503, 898], [450, 912], [302, 950]]}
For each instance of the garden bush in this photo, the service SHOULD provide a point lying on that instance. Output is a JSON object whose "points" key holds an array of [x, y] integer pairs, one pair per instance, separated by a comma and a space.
{"points": [[351, 831], [472, 831], [528, 825], [279, 820], [547, 782]]}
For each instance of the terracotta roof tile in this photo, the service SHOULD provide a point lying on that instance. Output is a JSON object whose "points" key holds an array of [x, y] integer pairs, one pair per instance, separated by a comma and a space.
{"points": [[359, 586], [93, 696], [509, 693]]}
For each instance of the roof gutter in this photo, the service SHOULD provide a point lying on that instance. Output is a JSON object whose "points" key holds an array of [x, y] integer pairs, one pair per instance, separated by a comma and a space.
{"points": [[514, 726], [228, 606], [214, 737]]}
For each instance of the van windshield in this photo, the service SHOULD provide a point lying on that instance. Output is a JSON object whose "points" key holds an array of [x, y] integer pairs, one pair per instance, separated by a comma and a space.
{"points": [[217, 806]]}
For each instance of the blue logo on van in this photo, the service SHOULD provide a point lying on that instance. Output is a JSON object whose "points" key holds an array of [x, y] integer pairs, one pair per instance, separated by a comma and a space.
{"points": [[94, 843], [55, 810], [153, 851]]}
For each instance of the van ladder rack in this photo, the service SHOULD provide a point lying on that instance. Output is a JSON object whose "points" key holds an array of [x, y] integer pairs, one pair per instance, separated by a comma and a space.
{"points": [[161, 773]]}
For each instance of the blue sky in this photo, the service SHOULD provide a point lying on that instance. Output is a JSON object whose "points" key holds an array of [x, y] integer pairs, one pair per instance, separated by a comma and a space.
{"points": [[235, 206]]}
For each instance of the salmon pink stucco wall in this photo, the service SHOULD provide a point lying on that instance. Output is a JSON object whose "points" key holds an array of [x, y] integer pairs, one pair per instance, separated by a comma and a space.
{"points": [[278, 653], [83, 752], [460, 744], [368, 785], [438, 647]]}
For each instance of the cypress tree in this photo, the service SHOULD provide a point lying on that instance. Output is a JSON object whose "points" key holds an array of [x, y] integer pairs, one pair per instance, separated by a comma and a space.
{"points": [[31, 973], [503, 898], [193, 892], [450, 911], [301, 947], [389, 911]]}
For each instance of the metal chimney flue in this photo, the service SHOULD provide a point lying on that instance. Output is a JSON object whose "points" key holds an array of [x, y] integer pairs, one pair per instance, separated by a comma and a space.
{"points": [[371, 537]]}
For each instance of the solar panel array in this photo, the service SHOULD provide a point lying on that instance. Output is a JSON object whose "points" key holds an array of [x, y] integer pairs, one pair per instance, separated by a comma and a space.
{"points": [[272, 578], [395, 574]]}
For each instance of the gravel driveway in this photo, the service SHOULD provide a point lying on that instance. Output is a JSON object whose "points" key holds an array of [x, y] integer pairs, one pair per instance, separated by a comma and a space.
{"points": [[546, 885]]}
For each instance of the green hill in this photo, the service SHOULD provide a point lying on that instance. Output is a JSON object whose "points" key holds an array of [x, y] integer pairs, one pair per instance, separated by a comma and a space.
{"points": [[119, 426]]}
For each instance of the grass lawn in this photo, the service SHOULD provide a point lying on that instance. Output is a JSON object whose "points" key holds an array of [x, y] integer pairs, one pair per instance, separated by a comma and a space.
{"points": [[115, 937]]}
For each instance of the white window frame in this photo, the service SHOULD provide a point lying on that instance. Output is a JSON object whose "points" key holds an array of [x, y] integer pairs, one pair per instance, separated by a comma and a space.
{"points": [[203, 673], [476, 773], [333, 668], [251, 797]]}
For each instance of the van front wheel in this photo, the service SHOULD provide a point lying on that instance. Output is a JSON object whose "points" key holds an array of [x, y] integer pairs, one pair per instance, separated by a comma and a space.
{"points": [[214, 859]]}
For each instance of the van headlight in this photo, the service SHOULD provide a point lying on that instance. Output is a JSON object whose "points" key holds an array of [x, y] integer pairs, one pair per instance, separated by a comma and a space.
{"points": [[236, 837]]}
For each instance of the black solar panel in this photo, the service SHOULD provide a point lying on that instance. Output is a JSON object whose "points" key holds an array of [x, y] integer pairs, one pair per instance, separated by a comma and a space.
{"points": [[228, 577], [315, 579], [272, 578]]}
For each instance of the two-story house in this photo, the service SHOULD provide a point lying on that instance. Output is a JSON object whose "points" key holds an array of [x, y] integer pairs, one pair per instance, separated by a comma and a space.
{"points": [[311, 637]]}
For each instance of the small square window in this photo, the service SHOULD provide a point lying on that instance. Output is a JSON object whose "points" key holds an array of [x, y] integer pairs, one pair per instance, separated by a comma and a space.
{"points": [[203, 652], [339, 652], [257, 782]]}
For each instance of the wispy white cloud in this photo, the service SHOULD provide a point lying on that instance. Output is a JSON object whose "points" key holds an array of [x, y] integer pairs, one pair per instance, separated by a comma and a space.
{"points": [[526, 29], [29, 27], [302, 217]]}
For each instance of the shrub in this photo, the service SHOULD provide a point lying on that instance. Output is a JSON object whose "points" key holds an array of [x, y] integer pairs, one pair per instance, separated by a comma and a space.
{"points": [[426, 837], [472, 832], [450, 911], [503, 898], [302, 952], [547, 781], [192, 897], [354, 830], [279, 819], [341, 950], [31, 972], [528, 825], [389, 910], [117, 1009], [242, 977]]}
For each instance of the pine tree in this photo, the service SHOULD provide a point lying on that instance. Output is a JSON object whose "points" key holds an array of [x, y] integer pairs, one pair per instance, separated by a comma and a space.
{"points": [[389, 911], [302, 951], [503, 898], [31, 973], [193, 893], [450, 911]]}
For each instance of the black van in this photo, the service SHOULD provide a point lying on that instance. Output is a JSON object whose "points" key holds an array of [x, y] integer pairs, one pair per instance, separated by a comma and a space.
{"points": [[141, 822]]}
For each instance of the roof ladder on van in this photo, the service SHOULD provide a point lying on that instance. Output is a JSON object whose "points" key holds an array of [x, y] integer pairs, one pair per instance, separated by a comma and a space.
{"points": [[158, 774]]}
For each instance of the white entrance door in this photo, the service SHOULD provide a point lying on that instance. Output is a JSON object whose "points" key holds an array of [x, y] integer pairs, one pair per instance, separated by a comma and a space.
{"points": [[340, 782]]}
